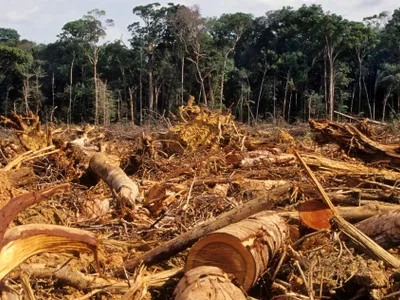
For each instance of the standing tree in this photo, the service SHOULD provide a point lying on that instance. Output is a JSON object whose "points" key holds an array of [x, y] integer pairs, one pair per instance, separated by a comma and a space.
{"points": [[89, 31]]}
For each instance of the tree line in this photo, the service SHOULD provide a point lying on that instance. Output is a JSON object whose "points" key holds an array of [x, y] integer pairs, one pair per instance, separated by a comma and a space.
{"points": [[288, 65]]}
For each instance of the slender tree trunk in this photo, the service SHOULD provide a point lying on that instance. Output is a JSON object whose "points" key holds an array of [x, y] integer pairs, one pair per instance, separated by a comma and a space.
{"points": [[331, 88], [385, 99], [274, 96], [353, 95], [96, 92], [359, 84], [141, 88], [182, 76], [131, 105], [52, 88], [212, 99], [221, 96], [374, 97], [260, 91], [285, 95], [38, 104], [289, 107], [70, 91], [367, 96], [151, 86], [26, 89], [326, 81]]}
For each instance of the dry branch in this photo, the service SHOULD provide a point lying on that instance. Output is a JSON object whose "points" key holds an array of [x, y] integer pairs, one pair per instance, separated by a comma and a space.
{"points": [[243, 249], [115, 177], [207, 282], [185, 240]]}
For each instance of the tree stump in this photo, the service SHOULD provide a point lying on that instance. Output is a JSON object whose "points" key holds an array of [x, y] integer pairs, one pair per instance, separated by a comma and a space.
{"points": [[243, 249], [207, 282]]}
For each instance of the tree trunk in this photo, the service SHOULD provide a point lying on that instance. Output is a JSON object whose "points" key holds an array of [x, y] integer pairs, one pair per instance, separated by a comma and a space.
{"points": [[274, 96], [221, 96], [326, 81], [212, 99], [243, 249], [359, 84], [285, 95], [96, 93], [207, 282], [289, 107], [70, 91], [182, 76], [151, 87], [384, 229], [260, 92], [331, 88], [368, 102], [115, 177], [26, 90], [385, 99], [131, 105]]}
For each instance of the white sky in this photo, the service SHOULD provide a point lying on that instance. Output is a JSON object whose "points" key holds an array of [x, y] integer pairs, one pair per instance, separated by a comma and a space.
{"points": [[42, 20]]}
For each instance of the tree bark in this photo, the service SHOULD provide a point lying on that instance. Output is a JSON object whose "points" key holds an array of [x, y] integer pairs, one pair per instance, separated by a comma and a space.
{"points": [[207, 282], [285, 95], [185, 240], [243, 249], [384, 229], [96, 94], [70, 91], [260, 92], [115, 177]]}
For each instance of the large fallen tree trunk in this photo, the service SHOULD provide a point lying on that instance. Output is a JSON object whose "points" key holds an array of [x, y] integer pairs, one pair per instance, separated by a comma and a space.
{"points": [[185, 240], [207, 282], [384, 229], [349, 138], [115, 177], [243, 249]]}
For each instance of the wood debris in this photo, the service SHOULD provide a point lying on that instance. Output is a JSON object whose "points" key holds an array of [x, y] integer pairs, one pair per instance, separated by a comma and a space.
{"points": [[204, 208]]}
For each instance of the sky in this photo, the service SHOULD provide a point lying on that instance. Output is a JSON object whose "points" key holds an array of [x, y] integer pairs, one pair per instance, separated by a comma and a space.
{"points": [[41, 20]]}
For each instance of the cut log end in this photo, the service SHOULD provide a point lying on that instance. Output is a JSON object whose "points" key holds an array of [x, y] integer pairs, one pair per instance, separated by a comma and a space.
{"points": [[226, 252], [243, 249], [207, 283]]}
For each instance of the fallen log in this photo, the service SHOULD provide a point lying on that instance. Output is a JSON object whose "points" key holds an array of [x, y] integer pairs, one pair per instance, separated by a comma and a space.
{"points": [[187, 239], [353, 141], [353, 213], [243, 249], [384, 228], [207, 282], [115, 177]]}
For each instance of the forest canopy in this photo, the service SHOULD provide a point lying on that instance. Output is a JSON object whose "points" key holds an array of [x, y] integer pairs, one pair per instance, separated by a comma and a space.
{"points": [[288, 65]]}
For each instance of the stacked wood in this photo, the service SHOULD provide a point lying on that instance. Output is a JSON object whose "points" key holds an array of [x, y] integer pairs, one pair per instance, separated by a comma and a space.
{"points": [[243, 249], [207, 282], [115, 177]]}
